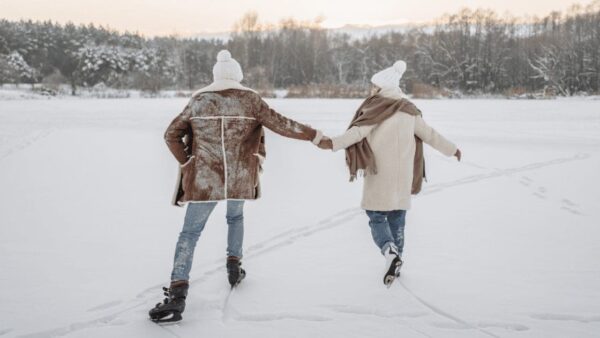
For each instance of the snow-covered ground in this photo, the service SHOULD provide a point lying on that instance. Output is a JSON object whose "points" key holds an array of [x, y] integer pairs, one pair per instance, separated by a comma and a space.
{"points": [[503, 244]]}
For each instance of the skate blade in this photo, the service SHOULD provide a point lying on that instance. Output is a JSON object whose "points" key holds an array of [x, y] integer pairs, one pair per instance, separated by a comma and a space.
{"points": [[240, 279], [389, 280], [170, 318]]}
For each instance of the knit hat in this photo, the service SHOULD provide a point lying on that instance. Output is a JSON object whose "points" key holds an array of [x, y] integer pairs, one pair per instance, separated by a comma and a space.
{"points": [[227, 68], [390, 77]]}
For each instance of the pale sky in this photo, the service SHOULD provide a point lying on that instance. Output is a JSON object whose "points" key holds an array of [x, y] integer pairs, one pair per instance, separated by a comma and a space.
{"points": [[165, 17]]}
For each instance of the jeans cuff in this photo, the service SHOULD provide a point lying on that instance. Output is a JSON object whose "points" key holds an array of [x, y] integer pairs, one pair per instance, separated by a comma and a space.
{"points": [[235, 254], [175, 277], [387, 246]]}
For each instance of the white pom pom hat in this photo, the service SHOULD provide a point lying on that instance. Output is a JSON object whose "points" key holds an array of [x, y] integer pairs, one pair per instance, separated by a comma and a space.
{"points": [[227, 68], [390, 77]]}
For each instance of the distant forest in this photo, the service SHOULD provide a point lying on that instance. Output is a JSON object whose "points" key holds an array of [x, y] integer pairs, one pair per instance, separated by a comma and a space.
{"points": [[470, 52]]}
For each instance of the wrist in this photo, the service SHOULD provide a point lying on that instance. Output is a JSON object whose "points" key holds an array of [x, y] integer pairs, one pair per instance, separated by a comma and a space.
{"points": [[318, 137]]}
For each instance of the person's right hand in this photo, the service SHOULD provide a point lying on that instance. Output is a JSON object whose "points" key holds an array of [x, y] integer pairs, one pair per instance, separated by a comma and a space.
{"points": [[325, 143], [458, 154]]}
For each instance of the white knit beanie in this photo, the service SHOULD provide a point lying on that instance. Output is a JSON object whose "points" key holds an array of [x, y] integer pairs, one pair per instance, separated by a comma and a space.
{"points": [[390, 77], [227, 68]]}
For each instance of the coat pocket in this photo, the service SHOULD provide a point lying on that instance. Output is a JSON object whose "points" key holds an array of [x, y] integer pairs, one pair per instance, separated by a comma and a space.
{"points": [[188, 161], [187, 176], [257, 165]]}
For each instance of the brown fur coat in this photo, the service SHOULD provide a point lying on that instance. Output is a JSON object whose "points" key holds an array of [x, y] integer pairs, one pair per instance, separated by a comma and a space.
{"points": [[218, 139]]}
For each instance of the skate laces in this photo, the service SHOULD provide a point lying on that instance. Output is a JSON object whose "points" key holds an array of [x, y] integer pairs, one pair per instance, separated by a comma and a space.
{"points": [[167, 293]]}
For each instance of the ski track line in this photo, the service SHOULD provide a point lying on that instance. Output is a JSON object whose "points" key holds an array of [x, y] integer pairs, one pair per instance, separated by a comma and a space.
{"points": [[290, 239], [62, 331], [216, 265], [5, 331], [502, 325], [287, 237], [104, 306], [566, 317], [402, 317], [443, 313], [270, 317], [26, 141], [502, 172], [225, 309]]}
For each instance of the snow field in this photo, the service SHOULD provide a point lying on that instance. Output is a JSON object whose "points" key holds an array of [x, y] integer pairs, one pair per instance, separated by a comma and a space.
{"points": [[503, 244]]}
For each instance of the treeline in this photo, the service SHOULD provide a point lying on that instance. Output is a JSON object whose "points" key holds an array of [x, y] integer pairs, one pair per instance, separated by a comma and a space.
{"points": [[473, 52]]}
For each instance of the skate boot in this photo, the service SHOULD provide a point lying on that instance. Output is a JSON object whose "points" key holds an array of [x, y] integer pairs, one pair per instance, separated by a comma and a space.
{"points": [[398, 270], [172, 307], [235, 273], [392, 266]]}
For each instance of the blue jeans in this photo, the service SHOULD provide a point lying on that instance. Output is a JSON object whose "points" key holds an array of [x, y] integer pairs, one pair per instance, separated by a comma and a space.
{"points": [[195, 219], [387, 228]]}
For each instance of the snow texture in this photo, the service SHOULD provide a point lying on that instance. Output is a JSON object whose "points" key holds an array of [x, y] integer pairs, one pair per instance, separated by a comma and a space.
{"points": [[503, 244]]}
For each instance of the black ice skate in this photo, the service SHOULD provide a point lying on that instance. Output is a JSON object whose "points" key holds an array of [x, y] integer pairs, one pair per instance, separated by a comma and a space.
{"points": [[235, 273], [398, 270], [172, 307], [392, 266]]}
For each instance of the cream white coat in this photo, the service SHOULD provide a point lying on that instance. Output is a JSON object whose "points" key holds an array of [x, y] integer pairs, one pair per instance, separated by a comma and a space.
{"points": [[393, 145]]}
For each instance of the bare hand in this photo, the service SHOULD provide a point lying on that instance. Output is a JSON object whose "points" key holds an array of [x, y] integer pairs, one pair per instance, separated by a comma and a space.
{"points": [[325, 143], [458, 154]]}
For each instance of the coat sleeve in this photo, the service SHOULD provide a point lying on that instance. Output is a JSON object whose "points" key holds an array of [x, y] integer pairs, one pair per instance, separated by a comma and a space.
{"points": [[350, 137], [176, 133], [433, 138], [284, 126]]}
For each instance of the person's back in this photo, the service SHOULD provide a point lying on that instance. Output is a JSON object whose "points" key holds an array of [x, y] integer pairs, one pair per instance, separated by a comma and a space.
{"points": [[393, 145], [225, 130], [226, 138]]}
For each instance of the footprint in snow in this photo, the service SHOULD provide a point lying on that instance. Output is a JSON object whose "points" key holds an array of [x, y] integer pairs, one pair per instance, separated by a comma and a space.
{"points": [[540, 192], [570, 206], [525, 181], [571, 210]]}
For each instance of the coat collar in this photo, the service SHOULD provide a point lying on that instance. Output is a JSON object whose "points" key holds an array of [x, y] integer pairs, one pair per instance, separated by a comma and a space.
{"points": [[394, 93], [220, 85]]}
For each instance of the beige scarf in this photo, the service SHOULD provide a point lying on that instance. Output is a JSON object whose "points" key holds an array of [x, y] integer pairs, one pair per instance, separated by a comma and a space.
{"points": [[374, 110]]}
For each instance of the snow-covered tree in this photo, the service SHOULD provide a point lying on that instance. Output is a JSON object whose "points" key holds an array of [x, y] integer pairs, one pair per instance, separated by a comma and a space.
{"points": [[100, 64], [549, 68], [22, 71], [154, 68]]}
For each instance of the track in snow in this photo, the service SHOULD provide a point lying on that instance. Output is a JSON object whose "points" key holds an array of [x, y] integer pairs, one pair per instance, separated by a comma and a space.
{"points": [[289, 237]]}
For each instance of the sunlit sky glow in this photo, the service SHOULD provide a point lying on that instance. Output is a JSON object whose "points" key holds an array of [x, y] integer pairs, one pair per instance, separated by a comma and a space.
{"points": [[185, 17]]}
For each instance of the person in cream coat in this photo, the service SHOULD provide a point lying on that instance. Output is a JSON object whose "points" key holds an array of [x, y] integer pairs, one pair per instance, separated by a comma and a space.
{"points": [[382, 142]]}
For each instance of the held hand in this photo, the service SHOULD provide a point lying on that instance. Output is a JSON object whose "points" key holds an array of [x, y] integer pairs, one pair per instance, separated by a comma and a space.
{"points": [[325, 143], [458, 154]]}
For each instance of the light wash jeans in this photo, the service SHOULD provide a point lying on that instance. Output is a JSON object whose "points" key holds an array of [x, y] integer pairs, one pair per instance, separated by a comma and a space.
{"points": [[387, 229], [195, 219]]}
